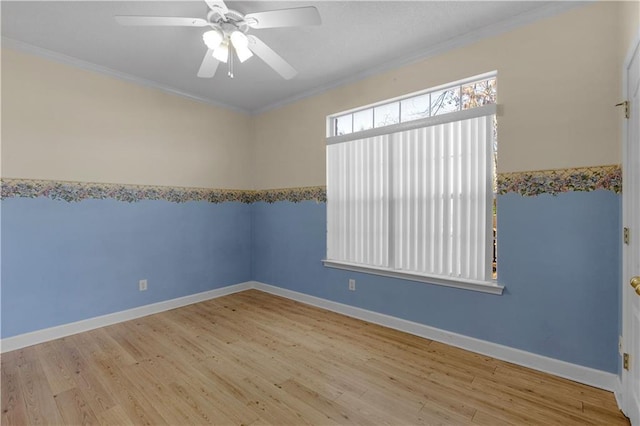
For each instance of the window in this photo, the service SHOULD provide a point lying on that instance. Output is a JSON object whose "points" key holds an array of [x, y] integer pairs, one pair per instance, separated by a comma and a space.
{"points": [[459, 96], [410, 187]]}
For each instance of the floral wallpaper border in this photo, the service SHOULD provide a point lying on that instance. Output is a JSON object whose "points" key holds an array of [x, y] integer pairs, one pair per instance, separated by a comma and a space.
{"points": [[523, 183], [307, 193], [78, 191], [562, 180]]}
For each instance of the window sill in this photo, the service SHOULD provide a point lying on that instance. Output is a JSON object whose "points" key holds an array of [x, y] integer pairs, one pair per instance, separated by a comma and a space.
{"points": [[480, 286]]}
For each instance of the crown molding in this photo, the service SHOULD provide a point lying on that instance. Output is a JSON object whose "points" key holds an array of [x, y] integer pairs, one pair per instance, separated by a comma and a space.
{"points": [[555, 8], [517, 21], [21, 46]]}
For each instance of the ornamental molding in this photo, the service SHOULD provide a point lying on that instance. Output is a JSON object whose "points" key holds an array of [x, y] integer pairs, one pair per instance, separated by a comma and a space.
{"points": [[554, 182], [295, 195], [529, 183], [77, 191]]}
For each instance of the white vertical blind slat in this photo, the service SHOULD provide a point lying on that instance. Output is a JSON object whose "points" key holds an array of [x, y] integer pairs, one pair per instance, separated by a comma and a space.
{"points": [[455, 201], [424, 221], [465, 202], [474, 195], [438, 199], [431, 197], [446, 199], [489, 174]]}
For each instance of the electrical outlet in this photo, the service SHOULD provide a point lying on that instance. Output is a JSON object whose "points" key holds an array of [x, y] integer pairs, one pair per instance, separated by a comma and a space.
{"points": [[352, 285], [142, 285]]}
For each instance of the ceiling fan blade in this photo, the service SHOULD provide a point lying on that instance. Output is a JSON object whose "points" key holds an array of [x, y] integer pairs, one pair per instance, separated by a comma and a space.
{"points": [[284, 18], [217, 4], [168, 21], [209, 65], [271, 58]]}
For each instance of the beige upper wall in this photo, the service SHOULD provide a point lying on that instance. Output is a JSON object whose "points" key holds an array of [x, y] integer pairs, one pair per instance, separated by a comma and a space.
{"points": [[558, 80], [629, 23], [64, 123]]}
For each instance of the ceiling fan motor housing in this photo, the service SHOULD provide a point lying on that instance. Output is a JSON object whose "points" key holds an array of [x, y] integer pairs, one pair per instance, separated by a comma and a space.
{"points": [[227, 22]]}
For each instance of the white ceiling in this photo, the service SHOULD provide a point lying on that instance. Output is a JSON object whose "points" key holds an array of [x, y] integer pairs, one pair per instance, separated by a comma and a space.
{"points": [[356, 38]]}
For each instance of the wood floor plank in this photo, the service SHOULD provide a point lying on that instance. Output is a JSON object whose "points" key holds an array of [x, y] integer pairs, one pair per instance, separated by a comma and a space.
{"points": [[169, 408], [520, 390], [374, 414], [60, 378], [74, 408], [393, 404], [253, 358], [13, 404], [335, 412], [40, 406], [229, 396], [483, 418], [267, 401], [600, 415], [70, 351], [115, 416], [135, 404], [101, 344], [551, 414], [205, 411], [425, 389]]}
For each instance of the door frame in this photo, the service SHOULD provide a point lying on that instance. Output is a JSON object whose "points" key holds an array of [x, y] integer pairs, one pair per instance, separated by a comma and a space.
{"points": [[624, 396]]}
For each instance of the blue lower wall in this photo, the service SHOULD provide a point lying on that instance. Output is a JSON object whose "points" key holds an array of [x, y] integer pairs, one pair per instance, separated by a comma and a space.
{"points": [[558, 258], [64, 262]]}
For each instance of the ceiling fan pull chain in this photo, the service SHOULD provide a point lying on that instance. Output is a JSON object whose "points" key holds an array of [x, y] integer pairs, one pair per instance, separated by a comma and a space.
{"points": [[230, 73]]}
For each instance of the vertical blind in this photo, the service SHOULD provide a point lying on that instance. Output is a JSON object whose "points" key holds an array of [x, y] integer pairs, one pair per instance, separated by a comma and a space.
{"points": [[415, 200]]}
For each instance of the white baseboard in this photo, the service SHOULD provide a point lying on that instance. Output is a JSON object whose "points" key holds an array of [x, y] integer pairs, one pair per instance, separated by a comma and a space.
{"points": [[578, 373], [618, 393], [47, 334]]}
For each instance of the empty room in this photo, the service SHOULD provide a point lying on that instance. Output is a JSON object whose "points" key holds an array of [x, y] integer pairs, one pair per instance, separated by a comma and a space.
{"points": [[323, 212]]}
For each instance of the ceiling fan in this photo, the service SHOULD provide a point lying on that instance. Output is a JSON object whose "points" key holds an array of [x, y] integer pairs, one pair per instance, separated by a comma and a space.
{"points": [[228, 33]]}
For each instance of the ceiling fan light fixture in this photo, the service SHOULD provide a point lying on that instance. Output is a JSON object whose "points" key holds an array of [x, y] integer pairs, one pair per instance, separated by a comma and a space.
{"points": [[239, 39], [221, 52], [243, 54], [228, 33], [212, 39], [241, 45]]}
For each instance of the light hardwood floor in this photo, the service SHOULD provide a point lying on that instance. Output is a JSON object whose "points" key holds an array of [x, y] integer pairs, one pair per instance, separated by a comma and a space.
{"points": [[254, 358]]}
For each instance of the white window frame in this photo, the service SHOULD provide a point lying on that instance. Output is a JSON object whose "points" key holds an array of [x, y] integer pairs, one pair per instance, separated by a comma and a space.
{"points": [[331, 119], [482, 286]]}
